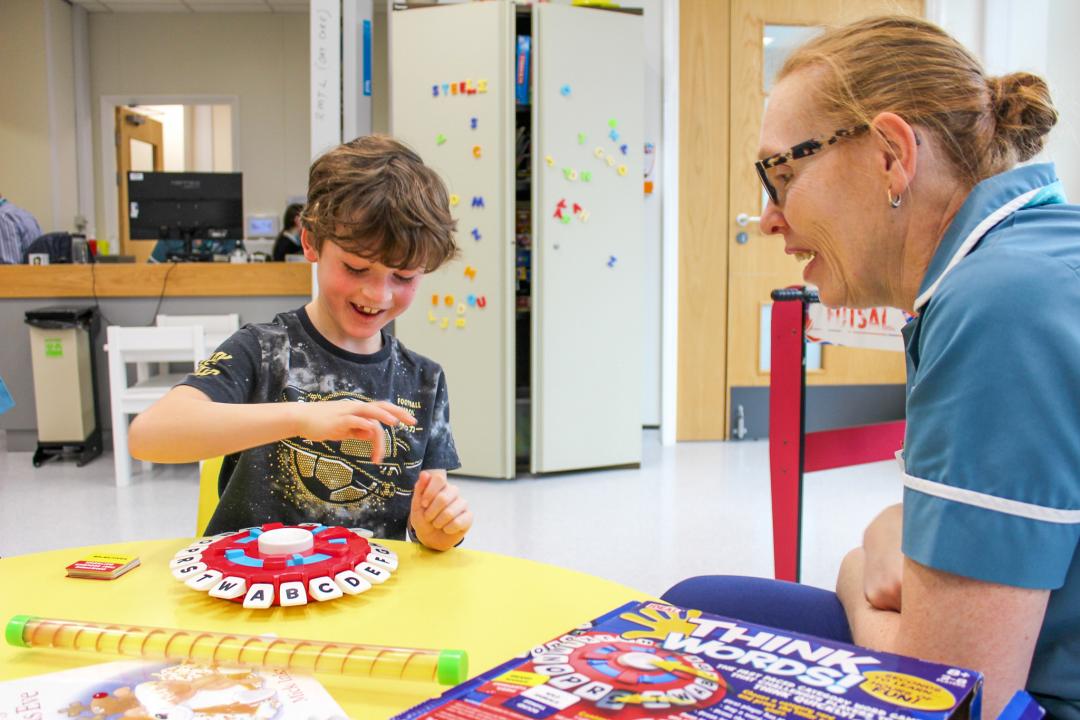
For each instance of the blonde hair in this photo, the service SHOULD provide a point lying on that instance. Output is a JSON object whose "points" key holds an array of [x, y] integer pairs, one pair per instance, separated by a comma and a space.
{"points": [[915, 69], [375, 197]]}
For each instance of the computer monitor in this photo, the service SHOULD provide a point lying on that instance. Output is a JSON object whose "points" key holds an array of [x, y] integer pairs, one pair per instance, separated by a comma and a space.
{"points": [[197, 209], [262, 226]]}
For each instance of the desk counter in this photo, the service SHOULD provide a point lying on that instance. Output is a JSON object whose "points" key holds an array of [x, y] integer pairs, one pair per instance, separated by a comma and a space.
{"points": [[490, 605], [130, 280], [130, 294]]}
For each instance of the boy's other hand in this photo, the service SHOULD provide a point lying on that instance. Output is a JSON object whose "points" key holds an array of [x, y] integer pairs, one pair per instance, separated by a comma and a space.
{"points": [[351, 420], [440, 517]]}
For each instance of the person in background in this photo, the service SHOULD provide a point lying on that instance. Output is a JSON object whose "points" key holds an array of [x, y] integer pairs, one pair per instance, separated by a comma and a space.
{"points": [[288, 240], [18, 229], [896, 169]]}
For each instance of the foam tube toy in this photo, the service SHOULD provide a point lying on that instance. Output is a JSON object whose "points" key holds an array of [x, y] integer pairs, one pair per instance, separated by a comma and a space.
{"points": [[446, 667]]}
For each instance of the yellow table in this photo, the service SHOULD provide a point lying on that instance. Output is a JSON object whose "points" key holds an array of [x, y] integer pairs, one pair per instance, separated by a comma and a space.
{"points": [[491, 605]]}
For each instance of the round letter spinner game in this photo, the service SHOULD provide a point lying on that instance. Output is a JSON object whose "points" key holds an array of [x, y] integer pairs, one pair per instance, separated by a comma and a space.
{"points": [[280, 564], [628, 680]]}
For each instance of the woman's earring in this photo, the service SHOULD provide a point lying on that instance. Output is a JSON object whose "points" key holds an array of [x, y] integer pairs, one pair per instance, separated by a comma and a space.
{"points": [[894, 202]]}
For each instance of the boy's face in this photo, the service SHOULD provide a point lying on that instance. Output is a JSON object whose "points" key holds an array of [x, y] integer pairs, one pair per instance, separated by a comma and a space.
{"points": [[361, 295]]}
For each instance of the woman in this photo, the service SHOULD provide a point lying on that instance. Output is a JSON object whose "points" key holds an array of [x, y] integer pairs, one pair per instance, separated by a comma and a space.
{"points": [[908, 195], [288, 240]]}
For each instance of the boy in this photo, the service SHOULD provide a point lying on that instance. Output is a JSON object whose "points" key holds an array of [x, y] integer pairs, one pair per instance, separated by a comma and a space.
{"points": [[324, 417]]}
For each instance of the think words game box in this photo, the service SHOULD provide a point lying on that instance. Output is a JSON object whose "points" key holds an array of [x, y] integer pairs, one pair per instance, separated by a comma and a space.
{"points": [[655, 661]]}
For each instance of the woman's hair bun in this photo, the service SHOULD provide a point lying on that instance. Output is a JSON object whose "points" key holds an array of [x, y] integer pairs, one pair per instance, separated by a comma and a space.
{"points": [[1023, 111]]}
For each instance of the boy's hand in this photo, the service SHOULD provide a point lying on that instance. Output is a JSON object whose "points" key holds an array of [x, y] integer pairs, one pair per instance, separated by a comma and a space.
{"points": [[440, 517], [351, 420]]}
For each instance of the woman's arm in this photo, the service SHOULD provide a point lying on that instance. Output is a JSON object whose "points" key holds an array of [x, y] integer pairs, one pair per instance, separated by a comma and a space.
{"points": [[884, 560], [951, 619]]}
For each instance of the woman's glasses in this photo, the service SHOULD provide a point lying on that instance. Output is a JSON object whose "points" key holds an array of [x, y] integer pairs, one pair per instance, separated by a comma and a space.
{"points": [[771, 169]]}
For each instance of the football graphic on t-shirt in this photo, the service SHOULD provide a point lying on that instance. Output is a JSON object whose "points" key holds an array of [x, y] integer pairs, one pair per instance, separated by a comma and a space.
{"points": [[342, 472]]}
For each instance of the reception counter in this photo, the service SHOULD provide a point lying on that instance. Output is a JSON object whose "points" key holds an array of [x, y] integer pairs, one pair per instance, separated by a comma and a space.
{"points": [[129, 280], [129, 294]]}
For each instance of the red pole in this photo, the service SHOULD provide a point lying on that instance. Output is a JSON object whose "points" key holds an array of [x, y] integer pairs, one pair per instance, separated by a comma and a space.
{"points": [[787, 385]]}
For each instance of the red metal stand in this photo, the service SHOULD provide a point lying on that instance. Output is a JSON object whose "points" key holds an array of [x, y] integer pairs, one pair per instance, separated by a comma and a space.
{"points": [[793, 451]]}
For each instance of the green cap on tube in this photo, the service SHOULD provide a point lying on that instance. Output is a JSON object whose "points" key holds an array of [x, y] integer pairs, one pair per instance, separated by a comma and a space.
{"points": [[13, 633], [453, 667]]}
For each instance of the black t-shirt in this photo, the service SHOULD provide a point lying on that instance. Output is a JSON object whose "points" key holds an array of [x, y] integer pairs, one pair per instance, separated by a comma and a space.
{"points": [[334, 483], [285, 244]]}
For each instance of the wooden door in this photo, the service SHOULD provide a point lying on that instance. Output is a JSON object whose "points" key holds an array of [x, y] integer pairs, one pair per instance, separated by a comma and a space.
{"points": [[139, 147], [723, 76], [452, 100], [763, 33], [588, 211]]}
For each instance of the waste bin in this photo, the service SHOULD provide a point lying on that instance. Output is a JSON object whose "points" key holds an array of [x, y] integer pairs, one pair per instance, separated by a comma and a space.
{"points": [[65, 394]]}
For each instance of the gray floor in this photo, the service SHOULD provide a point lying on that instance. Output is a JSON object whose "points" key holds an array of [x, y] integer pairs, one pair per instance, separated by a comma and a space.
{"points": [[694, 508]]}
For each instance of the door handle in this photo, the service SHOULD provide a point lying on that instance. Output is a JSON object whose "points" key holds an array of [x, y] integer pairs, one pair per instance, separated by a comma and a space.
{"points": [[742, 220]]}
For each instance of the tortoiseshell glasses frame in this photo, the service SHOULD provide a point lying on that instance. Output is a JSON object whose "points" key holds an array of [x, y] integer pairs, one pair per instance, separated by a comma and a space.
{"points": [[804, 149]]}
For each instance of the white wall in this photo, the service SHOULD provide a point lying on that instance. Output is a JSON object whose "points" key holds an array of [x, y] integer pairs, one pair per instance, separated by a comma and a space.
{"points": [[84, 154], [653, 260], [962, 18], [201, 153], [1063, 73], [37, 115], [61, 92], [221, 119], [24, 136], [171, 118], [1038, 36], [261, 59]]}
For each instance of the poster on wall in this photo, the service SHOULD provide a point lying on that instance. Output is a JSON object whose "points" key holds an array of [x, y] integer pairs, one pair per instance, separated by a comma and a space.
{"points": [[876, 328], [325, 75]]}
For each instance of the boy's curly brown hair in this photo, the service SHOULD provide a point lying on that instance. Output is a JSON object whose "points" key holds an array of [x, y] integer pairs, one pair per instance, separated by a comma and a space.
{"points": [[376, 198]]}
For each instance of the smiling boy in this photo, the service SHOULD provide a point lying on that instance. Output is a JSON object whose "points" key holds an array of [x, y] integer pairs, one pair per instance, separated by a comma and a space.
{"points": [[310, 409]]}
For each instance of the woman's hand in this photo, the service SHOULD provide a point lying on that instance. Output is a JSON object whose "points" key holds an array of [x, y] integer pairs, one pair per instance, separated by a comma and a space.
{"points": [[350, 420], [440, 517]]}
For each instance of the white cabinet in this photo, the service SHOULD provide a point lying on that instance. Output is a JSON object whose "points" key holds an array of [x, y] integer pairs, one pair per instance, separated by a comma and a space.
{"points": [[452, 78]]}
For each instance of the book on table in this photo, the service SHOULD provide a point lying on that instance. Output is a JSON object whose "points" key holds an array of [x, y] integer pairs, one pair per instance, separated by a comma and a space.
{"points": [[133, 689], [102, 566]]}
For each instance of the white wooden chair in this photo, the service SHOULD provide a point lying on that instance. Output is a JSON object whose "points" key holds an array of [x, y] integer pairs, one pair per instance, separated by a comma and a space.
{"points": [[142, 346], [217, 327]]}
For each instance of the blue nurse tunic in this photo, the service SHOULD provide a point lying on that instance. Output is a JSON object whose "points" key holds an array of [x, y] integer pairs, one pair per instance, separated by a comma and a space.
{"points": [[992, 452]]}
